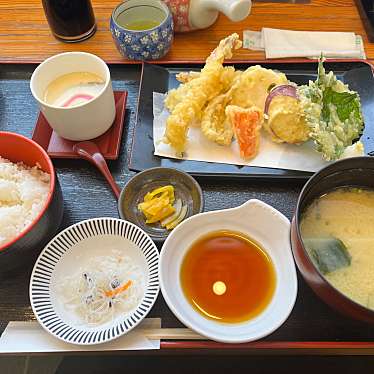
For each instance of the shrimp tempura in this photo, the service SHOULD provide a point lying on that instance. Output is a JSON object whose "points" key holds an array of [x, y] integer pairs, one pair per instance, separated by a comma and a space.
{"points": [[214, 122], [175, 96], [196, 93]]}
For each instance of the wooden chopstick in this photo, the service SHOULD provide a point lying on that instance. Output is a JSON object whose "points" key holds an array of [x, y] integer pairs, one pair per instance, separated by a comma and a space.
{"points": [[171, 334]]}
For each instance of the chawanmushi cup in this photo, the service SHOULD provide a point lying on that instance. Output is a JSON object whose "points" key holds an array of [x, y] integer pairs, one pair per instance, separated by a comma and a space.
{"points": [[80, 122]]}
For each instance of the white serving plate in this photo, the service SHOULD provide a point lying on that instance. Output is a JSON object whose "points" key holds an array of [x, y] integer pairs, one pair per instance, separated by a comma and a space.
{"points": [[66, 253], [260, 222]]}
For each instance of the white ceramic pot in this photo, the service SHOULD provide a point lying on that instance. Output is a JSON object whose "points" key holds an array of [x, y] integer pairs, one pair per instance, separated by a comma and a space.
{"points": [[199, 14], [87, 120], [258, 221]]}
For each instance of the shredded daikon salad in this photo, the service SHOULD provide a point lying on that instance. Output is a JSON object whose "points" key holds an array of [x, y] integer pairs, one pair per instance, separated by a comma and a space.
{"points": [[104, 288]]}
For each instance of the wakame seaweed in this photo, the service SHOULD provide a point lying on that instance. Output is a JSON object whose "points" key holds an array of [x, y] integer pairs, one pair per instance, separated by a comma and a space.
{"points": [[328, 254]]}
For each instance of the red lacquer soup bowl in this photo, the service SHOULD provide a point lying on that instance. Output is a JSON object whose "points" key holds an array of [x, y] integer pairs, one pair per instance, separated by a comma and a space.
{"points": [[357, 171], [22, 249]]}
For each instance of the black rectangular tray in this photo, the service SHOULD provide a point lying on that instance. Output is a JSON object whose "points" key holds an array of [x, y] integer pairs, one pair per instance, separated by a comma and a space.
{"points": [[161, 78], [312, 328], [366, 10]]}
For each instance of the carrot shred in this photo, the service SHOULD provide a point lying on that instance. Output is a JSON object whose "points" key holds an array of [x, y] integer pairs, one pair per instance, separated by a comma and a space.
{"points": [[118, 290]]}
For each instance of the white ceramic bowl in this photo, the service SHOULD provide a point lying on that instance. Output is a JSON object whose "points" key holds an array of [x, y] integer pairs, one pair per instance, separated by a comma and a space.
{"points": [[258, 221], [81, 122], [71, 249]]}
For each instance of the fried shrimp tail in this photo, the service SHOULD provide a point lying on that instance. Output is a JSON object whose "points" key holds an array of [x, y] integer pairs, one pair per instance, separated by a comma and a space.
{"points": [[187, 101], [187, 76], [227, 76]]}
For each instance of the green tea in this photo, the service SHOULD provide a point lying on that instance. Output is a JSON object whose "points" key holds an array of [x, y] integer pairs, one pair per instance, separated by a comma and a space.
{"points": [[142, 24]]}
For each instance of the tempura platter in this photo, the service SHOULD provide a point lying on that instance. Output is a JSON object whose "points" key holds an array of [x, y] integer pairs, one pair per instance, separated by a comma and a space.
{"points": [[161, 78]]}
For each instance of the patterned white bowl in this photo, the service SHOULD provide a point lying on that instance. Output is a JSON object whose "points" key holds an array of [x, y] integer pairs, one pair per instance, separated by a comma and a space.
{"points": [[258, 221], [64, 255]]}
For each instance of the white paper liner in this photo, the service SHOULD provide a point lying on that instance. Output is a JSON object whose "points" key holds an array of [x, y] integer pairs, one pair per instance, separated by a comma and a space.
{"points": [[30, 337], [271, 155]]}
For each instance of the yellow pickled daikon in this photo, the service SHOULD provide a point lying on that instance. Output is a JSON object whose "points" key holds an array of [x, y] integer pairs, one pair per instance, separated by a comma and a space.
{"points": [[158, 204]]}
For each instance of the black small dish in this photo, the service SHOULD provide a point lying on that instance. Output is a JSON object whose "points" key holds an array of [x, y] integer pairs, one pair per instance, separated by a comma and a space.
{"points": [[185, 188]]}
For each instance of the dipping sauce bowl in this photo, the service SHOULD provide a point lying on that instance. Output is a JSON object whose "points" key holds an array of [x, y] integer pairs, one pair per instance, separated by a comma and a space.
{"points": [[135, 43], [261, 223]]}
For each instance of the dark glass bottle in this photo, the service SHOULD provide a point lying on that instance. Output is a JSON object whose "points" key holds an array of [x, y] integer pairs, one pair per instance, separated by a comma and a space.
{"points": [[70, 20]]}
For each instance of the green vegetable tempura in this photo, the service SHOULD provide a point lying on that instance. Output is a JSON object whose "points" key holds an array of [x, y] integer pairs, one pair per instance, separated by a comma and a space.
{"points": [[333, 113]]}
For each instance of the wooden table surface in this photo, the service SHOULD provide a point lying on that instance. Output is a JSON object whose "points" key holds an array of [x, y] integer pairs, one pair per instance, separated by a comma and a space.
{"points": [[25, 36]]}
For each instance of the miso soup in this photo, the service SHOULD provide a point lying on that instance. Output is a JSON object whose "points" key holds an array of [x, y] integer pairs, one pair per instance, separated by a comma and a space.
{"points": [[338, 232]]}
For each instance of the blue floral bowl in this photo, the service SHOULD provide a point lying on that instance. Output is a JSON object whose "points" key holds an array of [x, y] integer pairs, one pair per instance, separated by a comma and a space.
{"points": [[149, 44]]}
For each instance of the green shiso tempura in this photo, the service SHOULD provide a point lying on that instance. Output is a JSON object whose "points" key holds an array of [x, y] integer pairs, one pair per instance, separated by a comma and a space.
{"points": [[333, 113]]}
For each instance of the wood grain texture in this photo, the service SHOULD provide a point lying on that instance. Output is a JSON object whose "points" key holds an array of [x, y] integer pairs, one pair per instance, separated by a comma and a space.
{"points": [[86, 195], [25, 35]]}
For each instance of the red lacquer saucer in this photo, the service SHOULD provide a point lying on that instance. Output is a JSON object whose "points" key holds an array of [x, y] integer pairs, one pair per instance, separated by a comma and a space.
{"points": [[108, 143]]}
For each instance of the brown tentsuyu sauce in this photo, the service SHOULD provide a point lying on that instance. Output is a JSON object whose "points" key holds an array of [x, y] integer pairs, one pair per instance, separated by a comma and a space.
{"points": [[227, 276]]}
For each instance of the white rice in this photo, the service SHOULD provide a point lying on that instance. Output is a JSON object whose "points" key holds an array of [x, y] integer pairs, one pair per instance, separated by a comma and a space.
{"points": [[23, 194]]}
